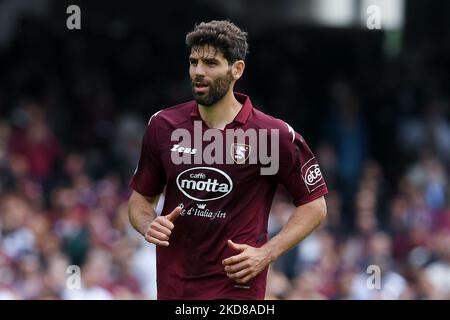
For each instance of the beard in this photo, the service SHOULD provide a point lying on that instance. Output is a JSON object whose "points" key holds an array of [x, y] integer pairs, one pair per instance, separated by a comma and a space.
{"points": [[217, 89]]}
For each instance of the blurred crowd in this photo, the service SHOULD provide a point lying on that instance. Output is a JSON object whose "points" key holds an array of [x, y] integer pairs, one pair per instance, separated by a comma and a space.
{"points": [[387, 234], [53, 217], [71, 123]]}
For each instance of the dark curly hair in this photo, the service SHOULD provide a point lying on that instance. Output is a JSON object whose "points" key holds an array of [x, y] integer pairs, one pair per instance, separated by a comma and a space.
{"points": [[222, 35]]}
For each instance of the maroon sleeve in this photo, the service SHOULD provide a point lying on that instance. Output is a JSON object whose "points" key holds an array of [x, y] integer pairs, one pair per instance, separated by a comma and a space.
{"points": [[149, 176], [299, 170]]}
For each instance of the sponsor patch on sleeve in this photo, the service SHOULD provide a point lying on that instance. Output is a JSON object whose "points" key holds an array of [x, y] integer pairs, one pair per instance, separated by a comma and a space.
{"points": [[311, 175]]}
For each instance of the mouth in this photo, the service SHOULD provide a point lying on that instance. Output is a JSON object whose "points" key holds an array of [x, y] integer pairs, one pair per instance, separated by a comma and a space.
{"points": [[200, 87]]}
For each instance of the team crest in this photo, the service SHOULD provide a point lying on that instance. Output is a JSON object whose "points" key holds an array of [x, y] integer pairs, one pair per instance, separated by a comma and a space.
{"points": [[240, 152]]}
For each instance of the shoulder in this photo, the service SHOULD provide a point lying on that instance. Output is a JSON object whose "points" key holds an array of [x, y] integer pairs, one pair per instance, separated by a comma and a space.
{"points": [[173, 116], [262, 120]]}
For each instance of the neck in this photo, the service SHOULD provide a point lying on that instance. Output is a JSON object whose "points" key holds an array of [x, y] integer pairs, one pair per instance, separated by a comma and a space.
{"points": [[222, 112]]}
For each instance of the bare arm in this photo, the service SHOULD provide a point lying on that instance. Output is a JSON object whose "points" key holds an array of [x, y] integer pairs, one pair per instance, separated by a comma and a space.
{"points": [[142, 215], [141, 211], [251, 261], [302, 222]]}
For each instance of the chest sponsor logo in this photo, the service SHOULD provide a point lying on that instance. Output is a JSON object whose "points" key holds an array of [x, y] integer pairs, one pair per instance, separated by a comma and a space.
{"points": [[240, 152], [204, 183]]}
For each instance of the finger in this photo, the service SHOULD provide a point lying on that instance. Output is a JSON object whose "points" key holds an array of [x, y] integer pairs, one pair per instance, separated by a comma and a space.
{"points": [[162, 229], [248, 278], [163, 221], [174, 214], [157, 242], [234, 259], [237, 246], [157, 235], [239, 275], [236, 267]]}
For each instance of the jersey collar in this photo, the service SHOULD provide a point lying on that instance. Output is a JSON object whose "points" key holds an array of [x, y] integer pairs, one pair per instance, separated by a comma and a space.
{"points": [[243, 114]]}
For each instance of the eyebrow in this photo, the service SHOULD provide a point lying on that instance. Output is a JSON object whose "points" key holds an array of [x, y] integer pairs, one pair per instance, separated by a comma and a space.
{"points": [[204, 59]]}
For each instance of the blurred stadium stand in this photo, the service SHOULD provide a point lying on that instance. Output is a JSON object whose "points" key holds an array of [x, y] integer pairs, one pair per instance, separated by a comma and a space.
{"points": [[373, 104]]}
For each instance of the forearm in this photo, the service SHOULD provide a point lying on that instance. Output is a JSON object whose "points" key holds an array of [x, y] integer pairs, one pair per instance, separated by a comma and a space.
{"points": [[302, 222], [141, 212]]}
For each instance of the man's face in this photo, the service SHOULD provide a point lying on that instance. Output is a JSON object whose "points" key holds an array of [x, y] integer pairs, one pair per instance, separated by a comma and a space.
{"points": [[210, 75]]}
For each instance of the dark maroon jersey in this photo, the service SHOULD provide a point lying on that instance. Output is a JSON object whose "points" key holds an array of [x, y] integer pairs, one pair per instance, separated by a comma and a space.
{"points": [[224, 199]]}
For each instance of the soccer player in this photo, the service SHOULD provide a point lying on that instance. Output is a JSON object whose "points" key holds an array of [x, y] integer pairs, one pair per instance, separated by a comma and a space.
{"points": [[211, 236]]}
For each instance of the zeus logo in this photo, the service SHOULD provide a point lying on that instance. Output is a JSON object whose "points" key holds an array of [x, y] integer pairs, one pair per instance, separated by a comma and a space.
{"points": [[177, 148]]}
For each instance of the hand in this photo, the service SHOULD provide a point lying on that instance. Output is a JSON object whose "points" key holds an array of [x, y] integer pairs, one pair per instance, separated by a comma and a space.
{"points": [[159, 230], [247, 264]]}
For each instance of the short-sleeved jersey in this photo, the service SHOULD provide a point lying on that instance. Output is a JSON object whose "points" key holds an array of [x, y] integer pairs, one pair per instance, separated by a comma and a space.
{"points": [[221, 199]]}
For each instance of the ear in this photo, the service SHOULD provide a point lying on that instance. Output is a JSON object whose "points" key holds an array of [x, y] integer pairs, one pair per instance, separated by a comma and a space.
{"points": [[237, 69]]}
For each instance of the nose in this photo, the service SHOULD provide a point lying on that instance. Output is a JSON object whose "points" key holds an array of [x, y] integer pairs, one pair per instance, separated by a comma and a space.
{"points": [[199, 69]]}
